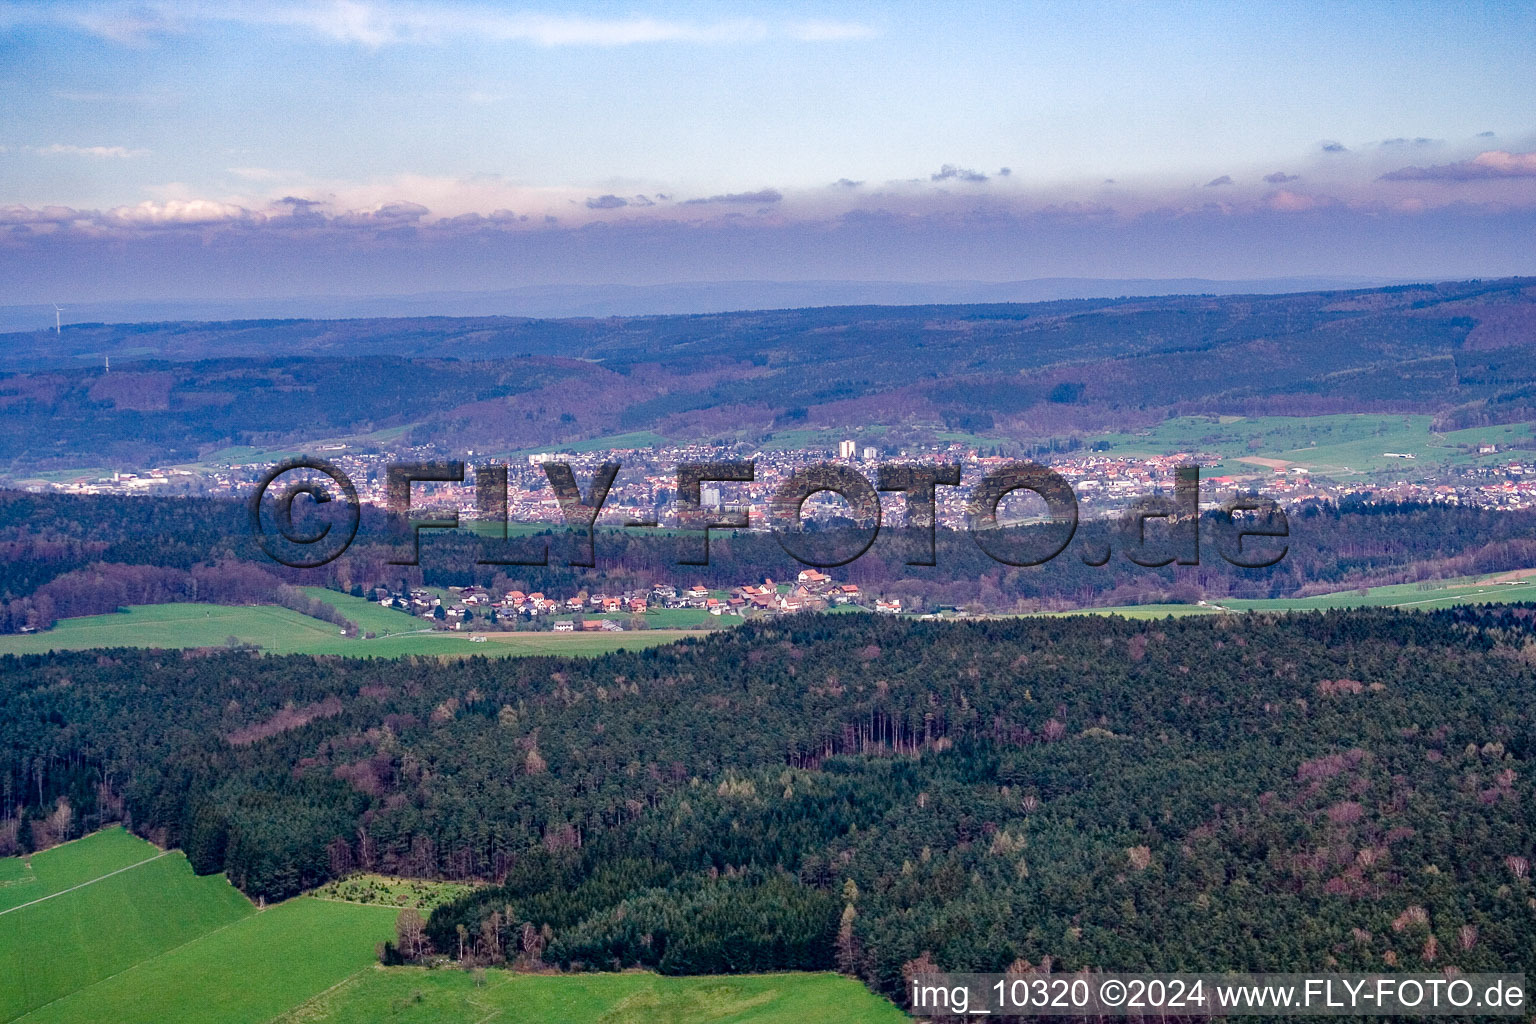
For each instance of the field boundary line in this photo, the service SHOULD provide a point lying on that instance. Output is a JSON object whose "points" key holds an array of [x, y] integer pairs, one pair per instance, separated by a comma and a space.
{"points": [[133, 966], [1446, 597], [288, 1014], [494, 1011], [82, 885]]}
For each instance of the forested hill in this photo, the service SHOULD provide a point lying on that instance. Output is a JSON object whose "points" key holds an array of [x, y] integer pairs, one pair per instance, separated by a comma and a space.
{"points": [[1462, 351], [72, 555], [1347, 790]]}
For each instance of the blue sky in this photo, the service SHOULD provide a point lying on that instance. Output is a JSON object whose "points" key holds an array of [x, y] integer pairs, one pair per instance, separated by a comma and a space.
{"points": [[1159, 129]]}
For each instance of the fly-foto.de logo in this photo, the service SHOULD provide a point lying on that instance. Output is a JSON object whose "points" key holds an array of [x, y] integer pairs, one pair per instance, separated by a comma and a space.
{"points": [[1152, 531]]}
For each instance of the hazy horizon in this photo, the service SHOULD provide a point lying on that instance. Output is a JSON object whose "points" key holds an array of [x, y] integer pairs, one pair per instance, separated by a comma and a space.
{"points": [[157, 151], [672, 298]]}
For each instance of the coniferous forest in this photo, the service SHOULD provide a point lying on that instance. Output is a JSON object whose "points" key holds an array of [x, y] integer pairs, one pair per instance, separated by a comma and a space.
{"points": [[1348, 789]]}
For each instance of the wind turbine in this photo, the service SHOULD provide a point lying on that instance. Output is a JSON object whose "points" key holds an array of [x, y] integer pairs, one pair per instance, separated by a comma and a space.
{"points": [[58, 324]]}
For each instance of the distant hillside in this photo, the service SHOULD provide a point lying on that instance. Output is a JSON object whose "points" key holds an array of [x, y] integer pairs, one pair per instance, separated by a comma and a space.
{"points": [[71, 556], [658, 299], [1465, 352]]}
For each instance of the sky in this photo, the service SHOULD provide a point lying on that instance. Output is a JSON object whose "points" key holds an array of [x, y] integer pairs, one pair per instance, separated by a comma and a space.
{"points": [[200, 149]]}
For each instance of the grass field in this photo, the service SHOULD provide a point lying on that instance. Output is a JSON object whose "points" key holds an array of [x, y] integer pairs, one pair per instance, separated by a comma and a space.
{"points": [[280, 631], [110, 928], [273, 629], [634, 439], [113, 929], [23, 880], [1341, 446], [66, 476], [97, 926], [1428, 595], [370, 616], [667, 618], [420, 996], [1494, 588], [247, 455], [244, 973]]}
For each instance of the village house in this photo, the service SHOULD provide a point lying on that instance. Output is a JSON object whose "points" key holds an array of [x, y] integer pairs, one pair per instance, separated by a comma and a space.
{"points": [[813, 580]]}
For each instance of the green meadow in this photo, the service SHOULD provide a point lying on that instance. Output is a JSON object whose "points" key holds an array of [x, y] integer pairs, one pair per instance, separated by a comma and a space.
{"points": [[273, 629], [666, 618], [370, 616], [110, 928], [246, 972], [1494, 588], [276, 630], [633, 439], [420, 996], [67, 476], [1344, 446], [102, 917], [1336, 446], [27, 879], [249, 455], [1491, 589]]}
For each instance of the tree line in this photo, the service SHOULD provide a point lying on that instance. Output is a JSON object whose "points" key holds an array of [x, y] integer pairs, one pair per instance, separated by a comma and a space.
{"points": [[60, 546]]}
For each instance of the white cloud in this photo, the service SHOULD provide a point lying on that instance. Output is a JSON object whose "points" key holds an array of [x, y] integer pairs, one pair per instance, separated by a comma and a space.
{"points": [[182, 212], [378, 24], [291, 201], [1493, 164], [122, 23], [12, 215], [100, 152]]}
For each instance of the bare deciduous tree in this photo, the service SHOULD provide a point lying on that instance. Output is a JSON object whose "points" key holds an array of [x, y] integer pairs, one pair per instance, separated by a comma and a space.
{"points": [[411, 933]]}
